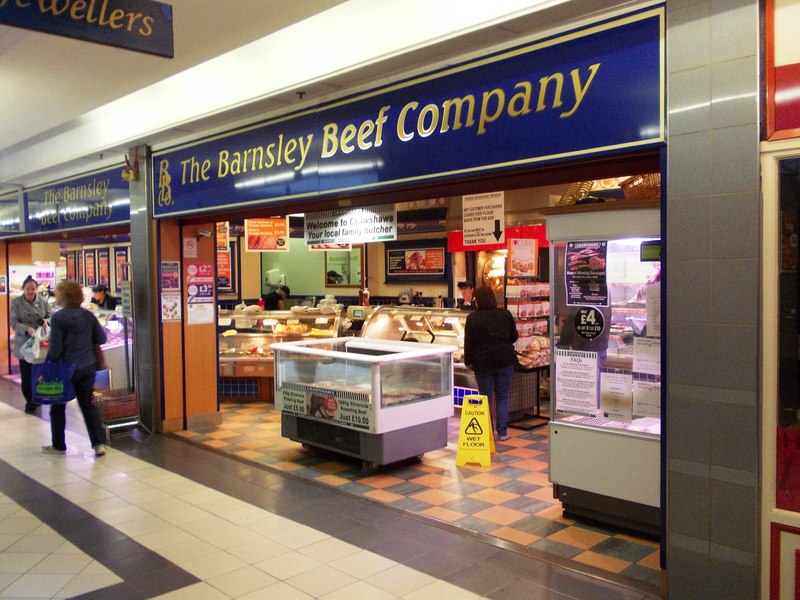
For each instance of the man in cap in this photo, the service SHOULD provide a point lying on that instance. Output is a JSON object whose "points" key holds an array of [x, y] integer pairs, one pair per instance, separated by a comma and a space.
{"points": [[102, 299], [467, 289]]}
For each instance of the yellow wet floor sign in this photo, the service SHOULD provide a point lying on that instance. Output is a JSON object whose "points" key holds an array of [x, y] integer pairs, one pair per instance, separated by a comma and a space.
{"points": [[475, 439]]}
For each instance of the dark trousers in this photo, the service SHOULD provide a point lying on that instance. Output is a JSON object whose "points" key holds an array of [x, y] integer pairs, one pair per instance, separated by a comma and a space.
{"points": [[83, 382], [25, 382]]}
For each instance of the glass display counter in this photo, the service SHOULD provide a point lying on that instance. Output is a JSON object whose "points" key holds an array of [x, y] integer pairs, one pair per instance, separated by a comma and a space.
{"points": [[375, 400], [605, 435], [445, 326], [117, 350], [246, 366]]}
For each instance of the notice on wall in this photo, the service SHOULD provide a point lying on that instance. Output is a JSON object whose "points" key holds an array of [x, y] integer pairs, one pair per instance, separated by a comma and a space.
{"points": [[616, 395], [576, 382], [200, 293], [189, 247], [223, 236], [653, 296], [3, 286], [103, 267], [415, 261], [646, 396], [647, 355], [170, 306], [585, 273], [170, 275], [483, 218]]}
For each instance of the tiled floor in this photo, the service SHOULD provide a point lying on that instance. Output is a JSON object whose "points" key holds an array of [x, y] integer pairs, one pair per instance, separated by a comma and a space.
{"points": [[511, 501], [159, 518]]}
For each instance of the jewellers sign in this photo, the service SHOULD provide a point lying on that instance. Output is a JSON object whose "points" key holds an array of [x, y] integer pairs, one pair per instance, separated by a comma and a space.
{"points": [[587, 92], [140, 25]]}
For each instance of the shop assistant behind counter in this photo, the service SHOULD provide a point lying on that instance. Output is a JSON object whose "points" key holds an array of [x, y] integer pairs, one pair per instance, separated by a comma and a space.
{"points": [[275, 300]]}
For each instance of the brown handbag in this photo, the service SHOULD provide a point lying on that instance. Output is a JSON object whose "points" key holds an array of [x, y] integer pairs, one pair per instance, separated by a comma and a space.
{"points": [[99, 358]]}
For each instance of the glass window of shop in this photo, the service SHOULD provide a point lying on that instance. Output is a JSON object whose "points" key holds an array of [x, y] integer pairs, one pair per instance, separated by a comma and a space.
{"points": [[788, 435]]}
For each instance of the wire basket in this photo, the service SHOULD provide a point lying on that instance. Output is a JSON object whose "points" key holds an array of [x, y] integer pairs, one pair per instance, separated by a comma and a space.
{"points": [[575, 191], [115, 405], [642, 187]]}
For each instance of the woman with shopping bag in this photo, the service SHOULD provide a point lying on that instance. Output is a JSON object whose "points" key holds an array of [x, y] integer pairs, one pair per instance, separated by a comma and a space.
{"points": [[74, 333], [28, 312]]}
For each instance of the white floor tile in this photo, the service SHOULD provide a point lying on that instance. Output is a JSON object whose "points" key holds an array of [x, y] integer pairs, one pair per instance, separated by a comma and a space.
{"points": [[19, 562], [321, 581], [137, 527], [329, 549], [399, 580], [84, 583], [198, 591], [360, 590], [441, 589], [187, 550], [362, 564], [241, 581], [257, 549], [36, 543], [20, 525], [163, 538], [36, 586], [299, 536], [62, 564], [287, 565], [277, 591], [206, 567]]}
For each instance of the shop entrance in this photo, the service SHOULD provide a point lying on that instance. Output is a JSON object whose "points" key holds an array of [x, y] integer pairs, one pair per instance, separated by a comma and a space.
{"points": [[512, 501]]}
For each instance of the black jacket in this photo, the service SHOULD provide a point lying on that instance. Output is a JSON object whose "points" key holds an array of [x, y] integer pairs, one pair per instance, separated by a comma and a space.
{"points": [[489, 337]]}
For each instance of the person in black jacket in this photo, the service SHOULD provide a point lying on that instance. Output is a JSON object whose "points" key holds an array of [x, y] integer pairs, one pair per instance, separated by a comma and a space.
{"points": [[274, 300], [489, 336]]}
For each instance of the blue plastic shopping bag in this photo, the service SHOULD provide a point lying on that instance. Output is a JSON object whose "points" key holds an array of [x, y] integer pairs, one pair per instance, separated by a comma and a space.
{"points": [[52, 382]]}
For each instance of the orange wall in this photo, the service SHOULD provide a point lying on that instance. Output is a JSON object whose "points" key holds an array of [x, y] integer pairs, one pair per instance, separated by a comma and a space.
{"points": [[172, 340], [200, 340]]}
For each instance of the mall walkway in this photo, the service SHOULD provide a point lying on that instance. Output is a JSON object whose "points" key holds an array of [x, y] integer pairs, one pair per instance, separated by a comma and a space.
{"points": [[158, 518]]}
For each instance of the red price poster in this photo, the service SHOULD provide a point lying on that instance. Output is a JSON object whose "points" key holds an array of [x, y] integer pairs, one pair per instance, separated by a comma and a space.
{"points": [[103, 267], [223, 235], [267, 235], [120, 259], [89, 258], [71, 274], [224, 269]]}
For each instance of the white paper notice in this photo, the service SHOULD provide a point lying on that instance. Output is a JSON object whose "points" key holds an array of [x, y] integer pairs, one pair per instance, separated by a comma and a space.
{"points": [[576, 382], [646, 398], [647, 356], [653, 295], [200, 314], [171, 306], [616, 397]]}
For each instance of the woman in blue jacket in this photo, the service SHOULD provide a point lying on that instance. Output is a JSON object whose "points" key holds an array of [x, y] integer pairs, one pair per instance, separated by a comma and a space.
{"points": [[74, 332]]}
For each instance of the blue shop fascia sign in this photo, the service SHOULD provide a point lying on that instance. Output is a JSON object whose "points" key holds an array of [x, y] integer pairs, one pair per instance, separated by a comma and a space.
{"points": [[588, 92], [88, 201]]}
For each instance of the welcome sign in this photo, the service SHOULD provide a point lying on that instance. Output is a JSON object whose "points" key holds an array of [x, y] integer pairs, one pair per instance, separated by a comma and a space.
{"points": [[596, 90]]}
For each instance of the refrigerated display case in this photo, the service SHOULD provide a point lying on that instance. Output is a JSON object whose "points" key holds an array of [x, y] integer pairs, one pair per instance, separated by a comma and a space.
{"points": [[375, 400], [246, 367], [605, 433], [445, 326]]}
